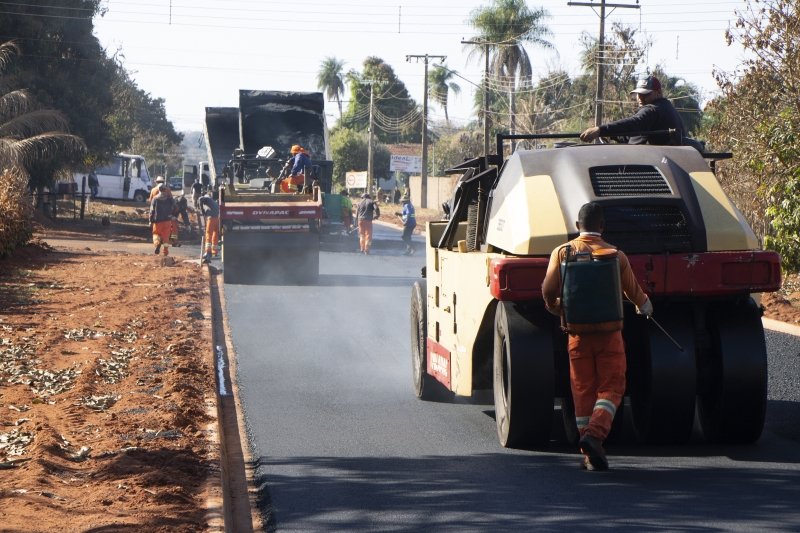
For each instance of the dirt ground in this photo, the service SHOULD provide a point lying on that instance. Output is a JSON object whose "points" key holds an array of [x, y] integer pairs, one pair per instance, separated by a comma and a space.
{"points": [[107, 385], [106, 389]]}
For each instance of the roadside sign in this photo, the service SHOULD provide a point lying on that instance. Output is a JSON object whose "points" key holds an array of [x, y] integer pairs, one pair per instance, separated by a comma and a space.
{"points": [[356, 180], [405, 163]]}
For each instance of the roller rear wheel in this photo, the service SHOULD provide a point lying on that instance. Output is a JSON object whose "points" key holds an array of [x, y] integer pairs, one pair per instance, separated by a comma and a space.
{"points": [[733, 392], [523, 379], [662, 379]]}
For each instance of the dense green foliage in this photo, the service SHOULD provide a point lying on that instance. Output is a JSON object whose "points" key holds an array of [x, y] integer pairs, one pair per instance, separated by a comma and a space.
{"points": [[350, 152], [64, 68], [395, 115], [758, 118]]}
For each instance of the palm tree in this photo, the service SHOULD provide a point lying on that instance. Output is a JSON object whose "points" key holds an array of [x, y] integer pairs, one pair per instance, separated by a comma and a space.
{"points": [[331, 80], [34, 144], [504, 29], [440, 86]]}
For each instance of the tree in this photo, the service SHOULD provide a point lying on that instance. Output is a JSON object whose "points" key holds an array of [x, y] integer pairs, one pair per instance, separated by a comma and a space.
{"points": [[440, 85], [349, 149], [504, 29], [395, 115], [62, 66], [34, 145], [453, 148], [139, 124], [756, 118], [331, 80]]}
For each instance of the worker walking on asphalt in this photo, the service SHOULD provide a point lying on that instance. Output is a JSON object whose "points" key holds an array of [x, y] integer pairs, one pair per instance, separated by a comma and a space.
{"points": [[596, 350], [366, 211], [409, 219], [210, 210], [161, 208]]}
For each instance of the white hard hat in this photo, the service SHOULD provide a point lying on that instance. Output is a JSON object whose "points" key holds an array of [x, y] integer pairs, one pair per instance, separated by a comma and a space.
{"points": [[160, 179]]}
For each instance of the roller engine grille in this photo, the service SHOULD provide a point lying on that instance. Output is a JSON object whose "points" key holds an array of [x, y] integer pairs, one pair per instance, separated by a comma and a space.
{"points": [[647, 229], [628, 180]]}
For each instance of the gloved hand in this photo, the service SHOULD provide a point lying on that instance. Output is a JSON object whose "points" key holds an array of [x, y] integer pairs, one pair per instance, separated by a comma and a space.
{"points": [[645, 309]]}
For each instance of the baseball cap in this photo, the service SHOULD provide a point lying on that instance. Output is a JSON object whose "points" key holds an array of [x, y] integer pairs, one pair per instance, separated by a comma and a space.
{"points": [[647, 85]]}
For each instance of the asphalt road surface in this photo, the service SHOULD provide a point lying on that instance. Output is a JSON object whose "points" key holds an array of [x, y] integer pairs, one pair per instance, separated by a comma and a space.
{"points": [[342, 444]]}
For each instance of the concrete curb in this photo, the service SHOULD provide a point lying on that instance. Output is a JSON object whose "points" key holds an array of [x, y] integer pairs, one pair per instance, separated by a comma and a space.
{"points": [[781, 327]]}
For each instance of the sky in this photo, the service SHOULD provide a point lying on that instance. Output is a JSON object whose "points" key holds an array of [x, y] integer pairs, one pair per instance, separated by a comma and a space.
{"points": [[199, 53]]}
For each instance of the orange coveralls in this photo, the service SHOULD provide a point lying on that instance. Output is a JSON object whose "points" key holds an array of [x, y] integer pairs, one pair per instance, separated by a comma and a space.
{"points": [[212, 235], [596, 358]]}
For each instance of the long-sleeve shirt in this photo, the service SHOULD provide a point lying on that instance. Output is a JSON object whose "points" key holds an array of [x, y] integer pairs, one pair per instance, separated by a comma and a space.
{"points": [[587, 242], [658, 115], [301, 161]]}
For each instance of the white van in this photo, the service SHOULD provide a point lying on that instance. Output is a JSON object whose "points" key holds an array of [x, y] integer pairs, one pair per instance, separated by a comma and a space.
{"points": [[123, 177]]}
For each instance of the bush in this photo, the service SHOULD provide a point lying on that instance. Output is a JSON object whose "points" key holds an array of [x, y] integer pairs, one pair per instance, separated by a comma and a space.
{"points": [[16, 227]]}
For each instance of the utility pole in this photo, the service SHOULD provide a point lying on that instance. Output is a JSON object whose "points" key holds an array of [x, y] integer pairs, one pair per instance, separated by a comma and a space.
{"points": [[423, 202], [601, 47], [370, 135], [485, 94]]}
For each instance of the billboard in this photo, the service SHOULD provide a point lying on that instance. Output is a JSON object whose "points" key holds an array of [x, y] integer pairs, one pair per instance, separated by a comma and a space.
{"points": [[406, 163]]}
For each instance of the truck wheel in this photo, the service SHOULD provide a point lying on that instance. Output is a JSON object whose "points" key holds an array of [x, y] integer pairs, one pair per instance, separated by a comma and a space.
{"points": [[139, 196], [662, 380], [523, 379], [733, 392], [425, 386]]}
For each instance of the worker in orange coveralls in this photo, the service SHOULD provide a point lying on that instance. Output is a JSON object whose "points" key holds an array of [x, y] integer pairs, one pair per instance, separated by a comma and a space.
{"points": [[161, 209], [596, 351], [173, 234], [210, 210]]}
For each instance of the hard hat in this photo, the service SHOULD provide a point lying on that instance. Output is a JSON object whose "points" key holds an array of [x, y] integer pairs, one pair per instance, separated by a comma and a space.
{"points": [[160, 179], [296, 148]]}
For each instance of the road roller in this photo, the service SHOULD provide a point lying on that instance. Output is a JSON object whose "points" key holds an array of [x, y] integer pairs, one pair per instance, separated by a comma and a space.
{"points": [[478, 321]]}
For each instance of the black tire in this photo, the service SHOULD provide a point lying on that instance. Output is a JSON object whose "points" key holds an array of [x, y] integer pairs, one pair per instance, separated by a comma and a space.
{"points": [[571, 434], [523, 380], [662, 379], [425, 386], [140, 196], [733, 393]]}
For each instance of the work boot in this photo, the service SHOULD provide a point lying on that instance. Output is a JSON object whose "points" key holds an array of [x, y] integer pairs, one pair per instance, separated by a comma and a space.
{"points": [[158, 249], [593, 450]]}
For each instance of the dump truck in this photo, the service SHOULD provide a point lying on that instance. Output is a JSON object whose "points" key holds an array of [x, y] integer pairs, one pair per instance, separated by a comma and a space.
{"points": [[268, 236], [478, 320]]}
